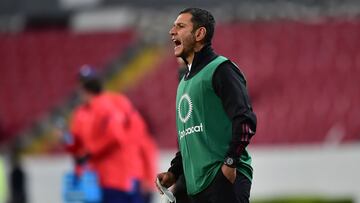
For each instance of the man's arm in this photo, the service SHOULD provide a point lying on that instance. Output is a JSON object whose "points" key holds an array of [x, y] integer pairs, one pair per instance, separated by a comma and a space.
{"points": [[169, 178], [176, 167], [230, 85]]}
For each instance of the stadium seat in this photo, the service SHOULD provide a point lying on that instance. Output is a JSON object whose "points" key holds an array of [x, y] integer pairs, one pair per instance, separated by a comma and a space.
{"points": [[38, 69]]}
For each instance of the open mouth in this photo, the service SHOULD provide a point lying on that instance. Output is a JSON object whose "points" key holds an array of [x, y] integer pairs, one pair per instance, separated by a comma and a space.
{"points": [[176, 42]]}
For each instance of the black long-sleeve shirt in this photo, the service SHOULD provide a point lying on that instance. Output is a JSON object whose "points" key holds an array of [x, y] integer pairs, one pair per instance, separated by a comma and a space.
{"points": [[229, 85]]}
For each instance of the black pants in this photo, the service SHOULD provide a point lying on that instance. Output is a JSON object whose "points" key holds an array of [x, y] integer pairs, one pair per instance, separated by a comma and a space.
{"points": [[221, 190], [180, 191]]}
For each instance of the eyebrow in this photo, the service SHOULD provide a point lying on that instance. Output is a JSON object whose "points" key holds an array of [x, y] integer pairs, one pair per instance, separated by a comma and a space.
{"points": [[179, 24]]}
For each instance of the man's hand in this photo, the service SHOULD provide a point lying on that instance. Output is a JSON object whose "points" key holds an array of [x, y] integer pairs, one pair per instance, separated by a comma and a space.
{"points": [[166, 179], [229, 173]]}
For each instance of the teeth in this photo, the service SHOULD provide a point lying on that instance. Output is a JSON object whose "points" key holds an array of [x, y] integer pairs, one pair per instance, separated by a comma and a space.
{"points": [[176, 42]]}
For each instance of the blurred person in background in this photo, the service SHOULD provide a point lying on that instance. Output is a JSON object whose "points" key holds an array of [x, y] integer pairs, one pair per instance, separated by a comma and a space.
{"points": [[111, 137], [17, 180], [215, 119]]}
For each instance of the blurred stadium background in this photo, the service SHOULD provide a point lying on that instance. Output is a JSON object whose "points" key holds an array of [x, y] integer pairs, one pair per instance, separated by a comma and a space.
{"points": [[301, 58]]}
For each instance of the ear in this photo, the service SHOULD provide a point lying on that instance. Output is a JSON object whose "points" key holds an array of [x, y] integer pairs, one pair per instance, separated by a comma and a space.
{"points": [[200, 34]]}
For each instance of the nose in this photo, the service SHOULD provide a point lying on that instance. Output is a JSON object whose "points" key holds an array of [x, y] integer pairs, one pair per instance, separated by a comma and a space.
{"points": [[172, 31]]}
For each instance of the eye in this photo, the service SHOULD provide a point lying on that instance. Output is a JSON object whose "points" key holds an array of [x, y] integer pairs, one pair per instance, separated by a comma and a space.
{"points": [[180, 25]]}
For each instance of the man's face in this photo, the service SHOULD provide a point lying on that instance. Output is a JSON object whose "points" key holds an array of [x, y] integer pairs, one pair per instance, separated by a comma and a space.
{"points": [[182, 36]]}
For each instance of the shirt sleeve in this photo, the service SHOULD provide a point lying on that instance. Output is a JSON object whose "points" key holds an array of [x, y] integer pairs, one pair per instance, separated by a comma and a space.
{"points": [[176, 167], [230, 85]]}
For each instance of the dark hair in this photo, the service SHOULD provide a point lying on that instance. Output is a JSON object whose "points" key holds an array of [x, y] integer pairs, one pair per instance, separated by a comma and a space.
{"points": [[202, 18], [90, 79], [93, 86]]}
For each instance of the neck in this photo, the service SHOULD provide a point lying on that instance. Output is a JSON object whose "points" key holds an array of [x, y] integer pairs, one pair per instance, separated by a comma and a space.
{"points": [[197, 48]]}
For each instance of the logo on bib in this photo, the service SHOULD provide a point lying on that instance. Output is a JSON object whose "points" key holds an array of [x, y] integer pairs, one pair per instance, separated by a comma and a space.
{"points": [[185, 105], [191, 130], [185, 109]]}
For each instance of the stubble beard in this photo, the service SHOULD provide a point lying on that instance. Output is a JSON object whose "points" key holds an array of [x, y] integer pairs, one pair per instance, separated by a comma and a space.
{"points": [[188, 48]]}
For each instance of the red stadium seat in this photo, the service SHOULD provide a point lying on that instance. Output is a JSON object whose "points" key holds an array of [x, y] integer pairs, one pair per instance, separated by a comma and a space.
{"points": [[38, 69]]}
